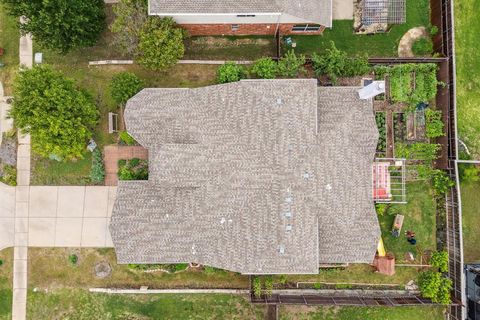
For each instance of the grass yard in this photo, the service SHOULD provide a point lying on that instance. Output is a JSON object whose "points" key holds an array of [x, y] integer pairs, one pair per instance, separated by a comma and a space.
{"points": [[467, 46], [361, 313], [6, 280], [9, 41], [470, 221], [419, 217], [355, 273], [79, 304], [50, 268], [378, 45], [230, 48]]}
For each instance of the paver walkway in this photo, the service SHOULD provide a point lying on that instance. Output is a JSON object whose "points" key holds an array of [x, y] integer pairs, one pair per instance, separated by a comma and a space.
{"points": [[408, 39], [113, 153]]}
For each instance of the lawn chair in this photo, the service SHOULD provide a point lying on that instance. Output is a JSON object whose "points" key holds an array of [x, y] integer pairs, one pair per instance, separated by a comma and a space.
{"points": [[397, 225]]}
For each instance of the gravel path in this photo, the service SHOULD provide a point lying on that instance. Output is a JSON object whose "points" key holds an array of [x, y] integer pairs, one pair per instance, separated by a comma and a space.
{"points": [[408, 39]]}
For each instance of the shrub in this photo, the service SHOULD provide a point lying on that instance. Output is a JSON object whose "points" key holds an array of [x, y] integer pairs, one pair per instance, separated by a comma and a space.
{"points": [[180, 267], [160, 44], [432, 285], [335, 63], [423, 47], [1, 262], [97, 172], [126, 138], [257, 287], [73, 259], [291, 65], [381, 208], [143, 267], [125, 85], [441, 182], [230, 72], [134, 169], [61, 25], [439, 260], [58, 116], [317, 286], [283, 279], [265, 68], [433, 124], [470, 173], [268, 285]]}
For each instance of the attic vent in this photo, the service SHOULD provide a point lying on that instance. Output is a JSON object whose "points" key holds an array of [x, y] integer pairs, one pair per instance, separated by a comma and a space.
{"points": [[328, 187], [289, 199], [288, 228], [306, 175], [279, 101], [288, 214], [281, 249]]}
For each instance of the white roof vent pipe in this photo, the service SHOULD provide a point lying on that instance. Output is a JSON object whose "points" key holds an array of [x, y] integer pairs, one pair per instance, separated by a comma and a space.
{"points": [[373, 89]]}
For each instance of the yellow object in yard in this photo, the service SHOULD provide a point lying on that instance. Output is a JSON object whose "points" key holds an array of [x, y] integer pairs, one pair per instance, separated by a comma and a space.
{"points": [[381, 248]]}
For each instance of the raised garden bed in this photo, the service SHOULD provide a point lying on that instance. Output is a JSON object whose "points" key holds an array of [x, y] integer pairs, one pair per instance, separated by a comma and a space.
{"points": [[382, 130]]}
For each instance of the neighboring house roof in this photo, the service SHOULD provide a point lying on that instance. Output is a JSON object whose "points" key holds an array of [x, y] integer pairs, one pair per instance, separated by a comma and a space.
{"points": [[315, 11], [257, 176]]}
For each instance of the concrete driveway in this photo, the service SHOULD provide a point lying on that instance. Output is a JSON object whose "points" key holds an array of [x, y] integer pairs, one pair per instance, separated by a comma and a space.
{"points": [[56, 216]]}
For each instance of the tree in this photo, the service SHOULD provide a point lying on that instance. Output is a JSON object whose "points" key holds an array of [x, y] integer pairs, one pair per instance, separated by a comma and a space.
{"points": [[58, 116], [130, 16], [160, 44], [291, 65], [335, 63], [125, 85], [265, 68], [230, 72], [60, 24]]}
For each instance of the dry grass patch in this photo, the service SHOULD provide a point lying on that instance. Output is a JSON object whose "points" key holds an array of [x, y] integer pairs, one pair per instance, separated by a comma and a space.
{"points": [[6, 281]]}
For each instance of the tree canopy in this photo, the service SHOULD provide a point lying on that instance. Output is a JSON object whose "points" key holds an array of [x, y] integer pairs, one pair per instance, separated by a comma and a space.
{"points": [[161, 43], [60, 24], [58, 116], [130, 16]]}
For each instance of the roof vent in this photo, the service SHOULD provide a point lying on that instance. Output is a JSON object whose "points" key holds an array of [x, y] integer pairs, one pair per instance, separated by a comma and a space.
{"points": [[281, 249], [279, 101], [289, 199], [222, 221], [328, 187], [306, 175], [288, 228], [288, 214]]}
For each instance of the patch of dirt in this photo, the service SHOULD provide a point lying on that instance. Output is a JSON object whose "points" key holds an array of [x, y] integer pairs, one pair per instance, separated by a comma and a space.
{"points": [[216, 42], [103, 270], [8, 150]]}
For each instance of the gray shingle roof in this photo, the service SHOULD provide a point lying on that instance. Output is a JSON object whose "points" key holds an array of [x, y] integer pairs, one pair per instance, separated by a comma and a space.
{"points": [[316, 11], [229, 164]]}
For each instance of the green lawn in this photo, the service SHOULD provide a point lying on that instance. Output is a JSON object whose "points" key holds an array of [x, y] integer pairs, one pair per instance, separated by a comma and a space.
{"points": [[80, 305], [378, 45], [419, 215], [361, 313], [50, 268], [467, 29], [9, 41], [230, 48], [6, 278], [470, 221], [355, 273]]}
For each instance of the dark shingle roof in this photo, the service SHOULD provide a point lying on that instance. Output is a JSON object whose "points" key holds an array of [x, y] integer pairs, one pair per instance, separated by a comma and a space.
{"points": [[316, 11], [229, 164]]}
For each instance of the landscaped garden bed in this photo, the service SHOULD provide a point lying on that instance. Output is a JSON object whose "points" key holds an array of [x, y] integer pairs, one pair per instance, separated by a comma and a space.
{"points": [[382, 130], [8, 159]]}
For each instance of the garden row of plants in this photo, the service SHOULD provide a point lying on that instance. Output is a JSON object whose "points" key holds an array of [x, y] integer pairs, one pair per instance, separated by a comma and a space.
{"points": [[382, 131], [332, 63], [411, 83]]}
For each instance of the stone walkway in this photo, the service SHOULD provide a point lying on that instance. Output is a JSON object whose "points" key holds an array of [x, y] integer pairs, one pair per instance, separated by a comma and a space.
{"points": [[113, 153], [408, 39]]}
